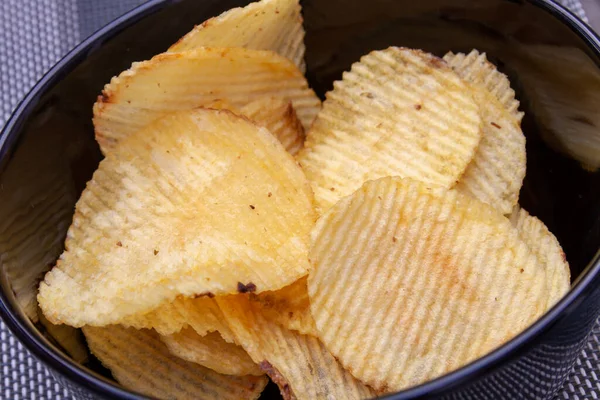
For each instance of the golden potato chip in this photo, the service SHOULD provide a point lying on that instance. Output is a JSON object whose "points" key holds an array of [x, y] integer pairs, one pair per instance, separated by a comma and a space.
{"points": [[397, 112], [212, 352], [200, 203], [166, 319], [68, 338], [299, 364], [496, 173], [221, 104], [279, 117], [289, 307], [274, 25], [274, 113], [547, 249], [202, 314], [476, 69], [431, 280], [141, 362], [182, 81]]}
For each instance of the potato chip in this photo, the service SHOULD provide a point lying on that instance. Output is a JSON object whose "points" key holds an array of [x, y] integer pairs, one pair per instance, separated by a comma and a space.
{"points": [[211, 351], [397, 112], [279, 117], [182, 81], [299, 364], [289, 307], [476, 69], [202, 314], [274, 113], [431, 280], [496, 173], [547, 249], [274, 25], [141, 362], [200, 203], [221, 104]]}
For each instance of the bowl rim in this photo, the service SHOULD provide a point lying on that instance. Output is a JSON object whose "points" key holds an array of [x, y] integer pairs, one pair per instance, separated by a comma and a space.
{"points": [[55, 360]]}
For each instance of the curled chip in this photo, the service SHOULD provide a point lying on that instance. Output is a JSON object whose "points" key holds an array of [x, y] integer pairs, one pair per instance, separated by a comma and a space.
{"points": [[279, 117], [432, 280], [476, 69], [201, 314], [212, 352], [141, 362], [204, 316], [397, 112], [289, 307], [182, 81], [547, 249], [200, 203], [274, 113], [495, 175], [299, 364], [274, 25]]}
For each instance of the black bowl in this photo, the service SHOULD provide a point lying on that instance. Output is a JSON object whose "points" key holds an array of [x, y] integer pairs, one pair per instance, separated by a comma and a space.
{"points": [[47, 153]]}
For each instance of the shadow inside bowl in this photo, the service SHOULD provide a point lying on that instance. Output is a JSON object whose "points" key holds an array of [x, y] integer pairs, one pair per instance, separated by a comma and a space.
{"points": [[50, 153]]}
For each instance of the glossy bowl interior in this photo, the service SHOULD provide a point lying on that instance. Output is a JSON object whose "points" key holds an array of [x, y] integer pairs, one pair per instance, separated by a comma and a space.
{"points": [[47, 150]]}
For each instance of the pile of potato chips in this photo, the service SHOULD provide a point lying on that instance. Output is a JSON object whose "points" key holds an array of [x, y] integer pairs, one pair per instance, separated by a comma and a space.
{"points": [[238, 228]]}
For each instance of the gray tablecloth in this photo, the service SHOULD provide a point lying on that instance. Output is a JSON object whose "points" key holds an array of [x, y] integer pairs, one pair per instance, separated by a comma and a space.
{"points": [[34, 34]]}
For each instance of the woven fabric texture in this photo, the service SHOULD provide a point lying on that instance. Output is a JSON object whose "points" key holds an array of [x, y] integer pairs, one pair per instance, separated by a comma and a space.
{"points": [[34, 34], [576, 7]]}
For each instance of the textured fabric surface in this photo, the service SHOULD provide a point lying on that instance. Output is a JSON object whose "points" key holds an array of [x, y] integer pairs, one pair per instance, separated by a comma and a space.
{"points": [[576, 7], [34, 34]]}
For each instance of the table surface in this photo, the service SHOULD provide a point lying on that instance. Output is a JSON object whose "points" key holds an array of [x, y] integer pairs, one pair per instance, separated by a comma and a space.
{"points": [[34, 34]]}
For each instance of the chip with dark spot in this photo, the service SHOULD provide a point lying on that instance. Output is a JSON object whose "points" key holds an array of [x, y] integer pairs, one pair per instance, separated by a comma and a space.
{"points": [[248, 288], [277, 378]]}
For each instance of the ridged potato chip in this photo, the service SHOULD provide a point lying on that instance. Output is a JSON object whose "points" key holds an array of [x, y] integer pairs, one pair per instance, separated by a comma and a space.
{"points": [[182, 81], [200, 203], [211, 351], [547, 249], [141, 362], [431, 280], [289, 307], [299, 364], [274, 25], [201, 314], [476, 69], [205, 316], [274, 113], [279, 117], [496, 173], [397, 112]]}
